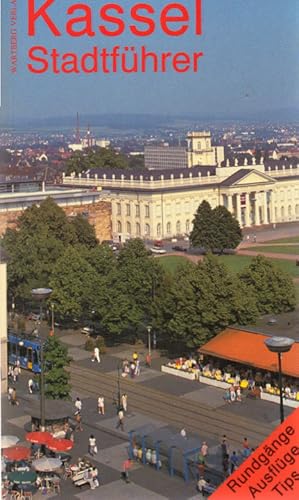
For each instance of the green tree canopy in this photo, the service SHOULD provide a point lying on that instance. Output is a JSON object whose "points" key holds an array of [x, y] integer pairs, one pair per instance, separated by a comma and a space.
{"points": [[215, 228], [203, 300], [96, 157], [274, 289], [56, 358], [84, 232]]}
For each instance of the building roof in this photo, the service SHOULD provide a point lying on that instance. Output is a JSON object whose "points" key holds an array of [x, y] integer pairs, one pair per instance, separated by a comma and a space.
{"points": [[249, 348], [242, 174], [150, 174]]}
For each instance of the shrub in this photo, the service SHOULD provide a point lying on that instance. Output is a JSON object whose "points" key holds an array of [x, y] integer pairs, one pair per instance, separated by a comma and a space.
{"points": [[89, 345], [100, 343]]}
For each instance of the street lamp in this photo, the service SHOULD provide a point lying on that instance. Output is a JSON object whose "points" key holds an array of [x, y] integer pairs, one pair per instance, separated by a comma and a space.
{"points": [[280, 345], [40, 294], [149, 340]]}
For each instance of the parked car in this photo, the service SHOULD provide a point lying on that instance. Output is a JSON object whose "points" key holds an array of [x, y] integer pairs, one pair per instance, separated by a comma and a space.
{"points": [[34, 316], [158, 250], [178, 248]]}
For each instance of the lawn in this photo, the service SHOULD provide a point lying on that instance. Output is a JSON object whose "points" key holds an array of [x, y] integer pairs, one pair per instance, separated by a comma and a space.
{"points": [[234, 262], [276, 249], [291, 239]]}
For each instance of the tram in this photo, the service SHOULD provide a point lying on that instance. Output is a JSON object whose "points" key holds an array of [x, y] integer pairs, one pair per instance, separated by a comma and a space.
{"points": [[26, 350]]}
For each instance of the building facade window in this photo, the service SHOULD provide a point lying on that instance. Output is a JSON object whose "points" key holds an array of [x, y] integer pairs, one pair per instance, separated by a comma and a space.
{"points": [[129, 227], [187, 226], [159, 229], [137, 210], [128, 208], [118, 209], [138, 229], [119, 226], [147, 230], [147, 211], [168, 228], [178, 227]]}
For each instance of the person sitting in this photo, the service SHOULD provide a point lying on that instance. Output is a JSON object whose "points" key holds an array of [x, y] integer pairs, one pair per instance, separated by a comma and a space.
{"points": [[204, 486]]}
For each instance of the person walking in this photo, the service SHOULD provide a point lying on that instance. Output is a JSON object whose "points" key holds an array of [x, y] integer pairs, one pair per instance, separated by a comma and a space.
{"points": [[78, 405], [101, 405], [9, 394], [92, 445], [204, 449], [14, 400], [234, 462], [224, 446], [124, 402], [125, 472], [96, 355], [120, 423], [225, 465], [15, 373], [183, 433], [30, 386], [78, 422]]}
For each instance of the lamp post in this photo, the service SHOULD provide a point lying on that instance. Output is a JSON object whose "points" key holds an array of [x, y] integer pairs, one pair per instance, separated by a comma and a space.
{"points": [[52, 318], [118, 385], [149, 340], [40, 294], [280, 345]]}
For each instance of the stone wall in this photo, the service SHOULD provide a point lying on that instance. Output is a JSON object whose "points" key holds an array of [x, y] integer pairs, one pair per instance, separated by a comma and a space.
{"points": [[98, 214]]}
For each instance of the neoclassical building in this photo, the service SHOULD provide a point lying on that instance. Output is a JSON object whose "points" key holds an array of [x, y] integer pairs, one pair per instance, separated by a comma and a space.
{"points": [[156, 204]]}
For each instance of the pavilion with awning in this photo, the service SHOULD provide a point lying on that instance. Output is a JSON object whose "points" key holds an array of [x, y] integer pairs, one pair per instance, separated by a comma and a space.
{"points": [[248, 348]]}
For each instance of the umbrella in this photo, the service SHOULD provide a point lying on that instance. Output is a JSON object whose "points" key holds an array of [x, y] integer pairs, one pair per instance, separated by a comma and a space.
{"points": [[46, 464], [39, 437], [60, 445], [8, 441], [16, 453], [22, 477]]}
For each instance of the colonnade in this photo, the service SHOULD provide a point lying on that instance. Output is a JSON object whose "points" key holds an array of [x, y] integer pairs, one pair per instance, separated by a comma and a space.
{"points": [[251, 208]]}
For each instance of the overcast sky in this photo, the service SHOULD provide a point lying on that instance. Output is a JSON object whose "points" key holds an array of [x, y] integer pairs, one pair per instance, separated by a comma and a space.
{"points": [[250, 64]]}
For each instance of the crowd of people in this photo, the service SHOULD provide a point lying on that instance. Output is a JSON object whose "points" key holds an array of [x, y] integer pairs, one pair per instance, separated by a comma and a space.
{"points": [[131, 368], [240, 378]]}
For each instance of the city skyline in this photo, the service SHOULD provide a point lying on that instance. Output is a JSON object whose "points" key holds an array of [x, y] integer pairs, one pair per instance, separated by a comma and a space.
{"points": [[248, 69]]}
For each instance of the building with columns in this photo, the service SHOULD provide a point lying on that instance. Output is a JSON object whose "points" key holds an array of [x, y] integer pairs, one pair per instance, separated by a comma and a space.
{"points": [[160, 204]]}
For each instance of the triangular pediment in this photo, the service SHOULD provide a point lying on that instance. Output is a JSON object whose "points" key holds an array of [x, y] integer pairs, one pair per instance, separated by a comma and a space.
{"points": [[244, 177]]}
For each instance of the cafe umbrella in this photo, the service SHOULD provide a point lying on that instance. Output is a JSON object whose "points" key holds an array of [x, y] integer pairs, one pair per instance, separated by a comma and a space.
{"points": [[17, 453], [26, 477], [60, 445], [39, 437], [46, 464], [8, 441]]}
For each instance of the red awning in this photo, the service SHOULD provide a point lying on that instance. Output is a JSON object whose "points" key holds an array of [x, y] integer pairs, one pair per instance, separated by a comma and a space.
{"points": [[39, 437], [60, 445], [17, 453], [249, 348]]}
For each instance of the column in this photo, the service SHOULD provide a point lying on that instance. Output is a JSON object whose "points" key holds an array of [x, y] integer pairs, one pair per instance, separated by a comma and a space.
{"points": [[247, 209], [266, 218], [256, 210], [230, 203], [238, 206], [272, 208]]}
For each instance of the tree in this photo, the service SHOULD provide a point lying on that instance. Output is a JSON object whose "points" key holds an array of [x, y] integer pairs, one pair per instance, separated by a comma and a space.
{"points": [[215, 229], [203, 300], [56, 377], [202, 234], [74, 285], [273, 288], [227, 229], [84, 232]]}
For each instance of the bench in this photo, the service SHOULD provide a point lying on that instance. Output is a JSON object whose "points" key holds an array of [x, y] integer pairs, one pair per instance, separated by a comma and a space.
{"points": [[81, 482]]}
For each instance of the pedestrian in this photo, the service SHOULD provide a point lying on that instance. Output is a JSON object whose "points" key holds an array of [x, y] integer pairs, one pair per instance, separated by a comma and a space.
{"points": [[224, 446], [15, 373], [9, 394], [18, 365], [78, 405], [132, 369], [101, 405], [232, 394], [204, 449], [96, 355], [137, 368], [30, 386], [254, 238], [238, 394], [183, 433], [10, 372], [124, 402], [92, 445], [245, 443], [95, 478], [234, 462], [135, 356], [14, 400], [120, 423], [78, 422], [125, 472], [225, 465]]}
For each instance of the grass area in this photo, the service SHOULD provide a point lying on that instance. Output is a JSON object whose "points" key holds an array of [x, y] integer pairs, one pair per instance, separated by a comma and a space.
{"points": [[294, 250], [235, 263], [291, 239], [171, 262]]}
